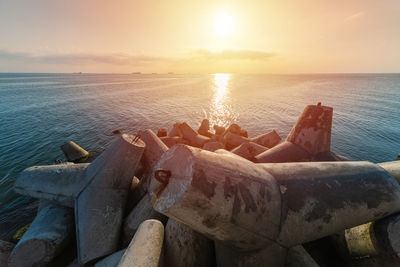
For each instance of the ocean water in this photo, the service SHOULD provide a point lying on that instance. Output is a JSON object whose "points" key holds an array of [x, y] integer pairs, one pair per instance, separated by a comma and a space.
{"points": [[39, 112]]}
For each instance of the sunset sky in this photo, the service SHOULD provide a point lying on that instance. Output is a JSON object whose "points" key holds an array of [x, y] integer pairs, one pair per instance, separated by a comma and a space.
{"points": [[208, 36]]}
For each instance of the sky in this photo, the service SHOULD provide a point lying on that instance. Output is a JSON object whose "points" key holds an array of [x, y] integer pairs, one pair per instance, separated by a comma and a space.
{"points": [[208, 36]]}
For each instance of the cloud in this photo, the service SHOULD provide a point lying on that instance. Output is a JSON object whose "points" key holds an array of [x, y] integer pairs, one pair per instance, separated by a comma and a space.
{"points": [[81, 58], [197, 61], [127, 59], [355, 16], [232, 55]]}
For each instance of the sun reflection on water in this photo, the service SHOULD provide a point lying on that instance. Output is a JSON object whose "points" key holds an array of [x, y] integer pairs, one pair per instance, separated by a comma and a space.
{"points": [[220, 111]]}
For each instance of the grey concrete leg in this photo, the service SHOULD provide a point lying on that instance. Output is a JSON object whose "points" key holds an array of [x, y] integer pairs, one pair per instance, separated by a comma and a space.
{"points": [[175, 131], [273, 255], [100, 206], [146, 246], [232, 140], [284, 152], [249, 150], [185, 247], [47, 236], [154, 148], [143, 211], [312, 130], [60, 183], [192, 136], [378, 238], [269, 139], [73, 152]]}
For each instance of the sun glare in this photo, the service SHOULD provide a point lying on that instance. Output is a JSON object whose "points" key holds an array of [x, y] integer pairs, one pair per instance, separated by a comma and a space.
{"points": [[223, 24]]}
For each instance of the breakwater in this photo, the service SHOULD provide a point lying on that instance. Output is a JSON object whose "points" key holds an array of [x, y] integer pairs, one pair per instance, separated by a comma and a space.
{"points": [[243, 199]]}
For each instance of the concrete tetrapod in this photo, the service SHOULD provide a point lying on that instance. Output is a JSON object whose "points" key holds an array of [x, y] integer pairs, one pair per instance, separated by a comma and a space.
{"points": [[142, 211], [60, 183], [378, 238], [185, 247], [249, 206], [49, 233], [153, 151], [146, 246], [232, 140], [249, 150], [73, 151], [310, 136], [100, 206], [269, 139], [192, 136]]}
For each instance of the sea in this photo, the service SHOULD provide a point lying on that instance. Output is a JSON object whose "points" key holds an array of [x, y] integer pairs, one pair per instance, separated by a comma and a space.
{"points": [[40, 112]]}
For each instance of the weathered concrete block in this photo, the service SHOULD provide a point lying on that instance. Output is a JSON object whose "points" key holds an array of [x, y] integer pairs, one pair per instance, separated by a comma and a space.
{"points": [[393, 167], [5, 251], [73, 152], [185, 247], [233, 128], [284, 152], [249, 150], [134, 183], [111, 260], [152, 153], [219, 130], [162, 132], [146, 246], [143, 211], [378, 238], [269, 139], [312, 130], [171, 141], [232, 140], [153, 150], [247, 199], [212, 146], [309, 139], [204, 128], [100, 206], [60, 183], [297, 256], [47, 236], [192, 136], [175, 131], [273, 255]]}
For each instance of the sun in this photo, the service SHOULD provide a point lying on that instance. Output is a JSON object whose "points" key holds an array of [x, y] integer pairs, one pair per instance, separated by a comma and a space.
{"points": [[223, 24]]}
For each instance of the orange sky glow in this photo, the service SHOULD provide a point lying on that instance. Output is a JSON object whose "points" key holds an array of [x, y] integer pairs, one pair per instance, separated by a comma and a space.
{"points": [[309, 36]]}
